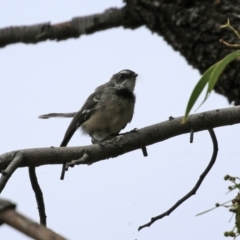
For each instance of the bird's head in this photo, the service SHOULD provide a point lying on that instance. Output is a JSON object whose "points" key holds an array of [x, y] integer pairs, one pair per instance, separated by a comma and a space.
{"points": [[124, 79]]}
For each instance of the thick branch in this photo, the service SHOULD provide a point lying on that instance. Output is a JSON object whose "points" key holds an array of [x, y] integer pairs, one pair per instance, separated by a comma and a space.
{"points": [[16, 220], [74, 28], [194, 29], [191, 27], [128, 142]]}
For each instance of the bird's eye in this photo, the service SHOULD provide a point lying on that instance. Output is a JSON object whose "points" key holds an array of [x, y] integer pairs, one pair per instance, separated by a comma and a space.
{"points": [[120, 76]]}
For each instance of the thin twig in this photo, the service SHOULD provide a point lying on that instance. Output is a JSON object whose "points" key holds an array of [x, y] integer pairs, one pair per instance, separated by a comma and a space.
{"points": [[7, 173], [63, 171], [195, 188], [191, 135], [233, 45], [144, 151], [38, 194]]}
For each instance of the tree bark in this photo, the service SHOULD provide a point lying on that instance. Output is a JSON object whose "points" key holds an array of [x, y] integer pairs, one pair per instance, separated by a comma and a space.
{"points": [[192, 28]]}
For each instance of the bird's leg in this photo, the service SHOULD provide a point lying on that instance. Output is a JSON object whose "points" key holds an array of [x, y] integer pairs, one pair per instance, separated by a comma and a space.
{"points": [[100, 143], [134, 130]]}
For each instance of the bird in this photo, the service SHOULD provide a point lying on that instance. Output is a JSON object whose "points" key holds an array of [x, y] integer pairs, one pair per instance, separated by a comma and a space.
{"points": [[106, 111]]}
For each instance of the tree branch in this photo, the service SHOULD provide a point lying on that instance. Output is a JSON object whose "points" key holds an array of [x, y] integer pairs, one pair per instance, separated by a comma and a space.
{"points": [[113, 17], [180, 23], [128, 142], [16, 220], [195, 188], [38, 194], [16, 160]]}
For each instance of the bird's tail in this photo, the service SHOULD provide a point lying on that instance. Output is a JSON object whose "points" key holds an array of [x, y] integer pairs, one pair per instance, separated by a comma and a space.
{"points": [[56, 115]]}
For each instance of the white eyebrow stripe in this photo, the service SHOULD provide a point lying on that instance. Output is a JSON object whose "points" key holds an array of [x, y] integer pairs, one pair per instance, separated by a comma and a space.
{"points": [[124, 72]]}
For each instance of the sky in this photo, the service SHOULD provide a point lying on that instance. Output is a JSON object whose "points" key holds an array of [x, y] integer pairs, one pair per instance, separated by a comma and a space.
{"points": [[109, 199]]}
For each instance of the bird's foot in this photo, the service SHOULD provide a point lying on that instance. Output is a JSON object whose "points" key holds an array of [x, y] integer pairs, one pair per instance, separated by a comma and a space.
{"points": [[82, 160]]}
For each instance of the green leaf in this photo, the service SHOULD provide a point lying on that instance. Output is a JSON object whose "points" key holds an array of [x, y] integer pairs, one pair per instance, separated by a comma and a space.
{"points": [[219, 69], [197, 90], [211, 77]]}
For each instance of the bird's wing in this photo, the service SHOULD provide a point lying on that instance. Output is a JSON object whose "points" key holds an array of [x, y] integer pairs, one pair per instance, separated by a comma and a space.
{"points": [[83, 114]]}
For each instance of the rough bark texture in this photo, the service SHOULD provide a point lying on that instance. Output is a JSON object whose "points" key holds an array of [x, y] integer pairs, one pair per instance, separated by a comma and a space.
{"points": [[121, 144], [74, 28], [193, 29]]}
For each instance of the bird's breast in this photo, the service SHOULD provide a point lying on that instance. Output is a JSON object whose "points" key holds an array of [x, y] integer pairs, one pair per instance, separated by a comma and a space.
{"points": [[112, 114]]}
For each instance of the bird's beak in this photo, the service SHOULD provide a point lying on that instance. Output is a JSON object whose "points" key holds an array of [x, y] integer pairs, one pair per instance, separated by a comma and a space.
{"points": [[135, 75]]}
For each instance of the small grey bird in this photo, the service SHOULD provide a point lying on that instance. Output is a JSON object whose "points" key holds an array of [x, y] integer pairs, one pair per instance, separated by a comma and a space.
{"points": [[106, 111]]}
